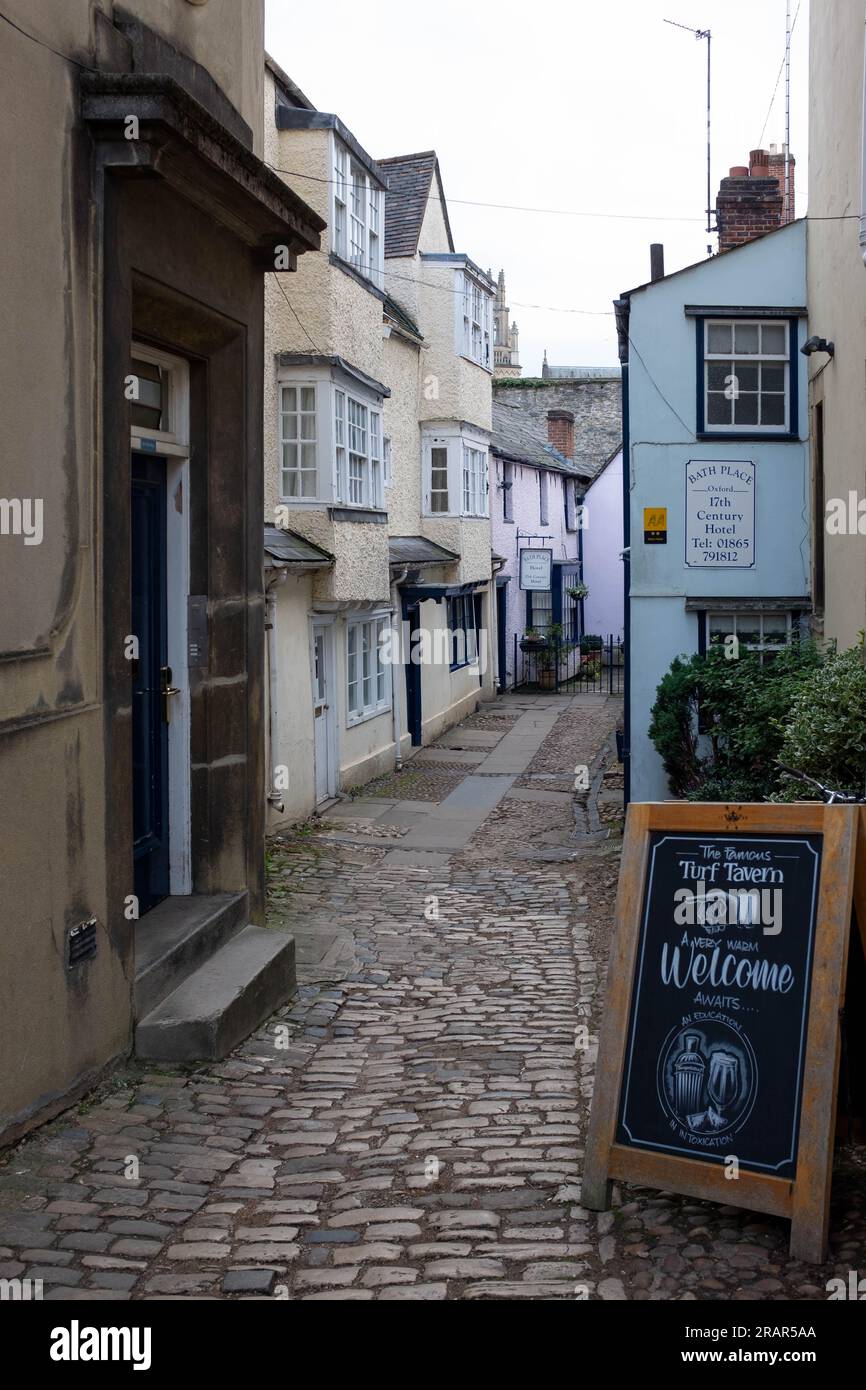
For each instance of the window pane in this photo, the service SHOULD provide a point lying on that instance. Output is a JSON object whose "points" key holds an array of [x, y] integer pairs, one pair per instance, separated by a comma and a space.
{"points": [[718, 409], [746, 337], [717, 372], [747, 376], [290, 427], [774, 339], [290, 398], [772, 410], [718, 337], [290, 455], [772, 378], [746, 409]]}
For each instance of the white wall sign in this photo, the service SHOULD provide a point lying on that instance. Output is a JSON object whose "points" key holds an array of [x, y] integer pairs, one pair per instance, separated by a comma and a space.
{"points": [[535, 569], [720, 514]]}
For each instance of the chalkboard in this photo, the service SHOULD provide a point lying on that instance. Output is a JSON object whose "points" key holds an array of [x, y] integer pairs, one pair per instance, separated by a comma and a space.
{"points": [[719, 1049], [717, 1032]]}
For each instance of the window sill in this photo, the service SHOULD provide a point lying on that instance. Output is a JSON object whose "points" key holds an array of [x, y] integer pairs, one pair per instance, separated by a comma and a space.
{"points": [[465, 665], [352, 720], [475, 363], [353, 274], [748, 436]]}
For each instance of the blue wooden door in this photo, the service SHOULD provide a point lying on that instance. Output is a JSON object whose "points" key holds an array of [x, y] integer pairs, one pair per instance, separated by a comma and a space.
{"points": [[150, 677]]}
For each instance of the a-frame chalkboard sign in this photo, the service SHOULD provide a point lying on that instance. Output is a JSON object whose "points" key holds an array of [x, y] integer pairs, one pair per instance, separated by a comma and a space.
{"points": [[718, 1056]]}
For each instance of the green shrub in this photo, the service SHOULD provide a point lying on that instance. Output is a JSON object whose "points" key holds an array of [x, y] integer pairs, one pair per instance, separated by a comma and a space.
{"points": [[719, 724], [825, 734]]}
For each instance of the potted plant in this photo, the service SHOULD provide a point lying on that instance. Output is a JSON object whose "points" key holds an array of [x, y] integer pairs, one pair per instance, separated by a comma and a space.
{"points": [[533, 640], [551, 655], [578, 590]]}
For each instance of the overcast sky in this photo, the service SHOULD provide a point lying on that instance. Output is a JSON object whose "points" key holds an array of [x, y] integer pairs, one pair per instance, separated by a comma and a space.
{"points": [[575, 105]]}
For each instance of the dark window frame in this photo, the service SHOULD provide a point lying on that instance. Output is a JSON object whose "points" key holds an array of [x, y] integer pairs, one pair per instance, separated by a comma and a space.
{"points": [[716, 433]]}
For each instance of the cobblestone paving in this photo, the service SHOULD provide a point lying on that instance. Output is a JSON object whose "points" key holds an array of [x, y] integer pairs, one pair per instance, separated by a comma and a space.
{"points": [[412, 1131]]}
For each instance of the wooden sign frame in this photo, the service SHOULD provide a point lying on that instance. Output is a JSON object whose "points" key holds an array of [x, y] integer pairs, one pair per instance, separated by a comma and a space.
{"points": [[805, 1198]]}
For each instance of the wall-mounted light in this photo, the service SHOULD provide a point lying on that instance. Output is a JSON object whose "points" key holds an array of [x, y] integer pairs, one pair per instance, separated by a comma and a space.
{"points": [[816, 344]]}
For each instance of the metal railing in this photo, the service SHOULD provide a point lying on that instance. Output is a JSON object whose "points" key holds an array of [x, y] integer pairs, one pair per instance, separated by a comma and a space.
{"points": [[589, 665]]}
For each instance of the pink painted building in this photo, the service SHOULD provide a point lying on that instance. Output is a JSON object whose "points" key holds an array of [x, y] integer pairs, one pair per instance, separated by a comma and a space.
{"points": [[536, 494]]}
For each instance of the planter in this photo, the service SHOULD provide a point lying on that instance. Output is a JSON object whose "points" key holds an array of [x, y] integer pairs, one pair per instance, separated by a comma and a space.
{"points": [[532, 644], [547, 679]]}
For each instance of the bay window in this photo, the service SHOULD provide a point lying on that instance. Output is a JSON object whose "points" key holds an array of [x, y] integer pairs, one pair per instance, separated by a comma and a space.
{"points": [[356, 222], [455, 473], [476, 321], [331, 443]]}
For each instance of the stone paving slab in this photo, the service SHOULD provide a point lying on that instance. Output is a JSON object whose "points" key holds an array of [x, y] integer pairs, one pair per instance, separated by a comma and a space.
{"points": [[413, 1130]]}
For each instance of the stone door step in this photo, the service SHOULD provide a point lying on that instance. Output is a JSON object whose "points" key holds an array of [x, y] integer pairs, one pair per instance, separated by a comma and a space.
{"points": [[173, 940], [223, 1001]]}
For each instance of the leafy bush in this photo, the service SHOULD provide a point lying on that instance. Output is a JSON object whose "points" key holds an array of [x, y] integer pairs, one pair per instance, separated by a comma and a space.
{"points": [[825, 735], [719, 724]]}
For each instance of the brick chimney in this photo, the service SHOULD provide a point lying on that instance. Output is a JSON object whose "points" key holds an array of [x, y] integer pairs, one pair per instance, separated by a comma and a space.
{"points": [[752, 201], [560, 431]]}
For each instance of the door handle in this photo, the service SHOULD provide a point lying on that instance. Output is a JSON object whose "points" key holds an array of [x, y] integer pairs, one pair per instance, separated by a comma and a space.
{"points": [[167, 690]]}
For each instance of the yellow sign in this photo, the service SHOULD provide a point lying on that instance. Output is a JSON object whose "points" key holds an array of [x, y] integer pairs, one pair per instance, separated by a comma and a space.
{"points": [[655, 518]]}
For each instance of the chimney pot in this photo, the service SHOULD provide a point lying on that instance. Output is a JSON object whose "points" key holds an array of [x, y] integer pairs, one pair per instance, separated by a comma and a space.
{"points": [[739, 171]]}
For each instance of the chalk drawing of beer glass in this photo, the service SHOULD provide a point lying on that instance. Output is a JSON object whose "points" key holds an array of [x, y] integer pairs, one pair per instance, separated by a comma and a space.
{"points": [[723, 1082]]}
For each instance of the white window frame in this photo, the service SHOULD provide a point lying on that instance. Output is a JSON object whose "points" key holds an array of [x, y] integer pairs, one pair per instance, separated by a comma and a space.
{"points": [[474, 326], [357, 215], [369, 629], [345, 415], [750, 618], [758, 360], [299, 440], [174, 373], [543, 497], [507, 491], [468, 472]]}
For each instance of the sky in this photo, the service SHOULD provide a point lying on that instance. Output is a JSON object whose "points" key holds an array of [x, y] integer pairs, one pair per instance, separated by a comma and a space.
{"points": [[583, 106]]}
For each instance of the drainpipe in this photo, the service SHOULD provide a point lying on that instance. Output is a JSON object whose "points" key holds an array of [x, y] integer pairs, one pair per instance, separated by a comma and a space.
{"points": [[622, 308], [397, 607], [274, 797], [863, 167]]}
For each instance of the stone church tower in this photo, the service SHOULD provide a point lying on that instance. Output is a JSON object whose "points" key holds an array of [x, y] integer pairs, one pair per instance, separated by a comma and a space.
{"points": [[506, 358]]}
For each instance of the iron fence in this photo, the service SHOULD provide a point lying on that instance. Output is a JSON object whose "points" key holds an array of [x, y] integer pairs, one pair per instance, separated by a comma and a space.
{"points": [[589, 665]]}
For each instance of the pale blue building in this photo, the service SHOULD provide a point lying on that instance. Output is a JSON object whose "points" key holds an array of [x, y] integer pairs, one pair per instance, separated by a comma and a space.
{"points": [[716, 477]]}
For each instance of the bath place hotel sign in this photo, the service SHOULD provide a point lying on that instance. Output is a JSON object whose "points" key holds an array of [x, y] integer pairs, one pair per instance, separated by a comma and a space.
{"points": [[720, 514], [718, 1055]]}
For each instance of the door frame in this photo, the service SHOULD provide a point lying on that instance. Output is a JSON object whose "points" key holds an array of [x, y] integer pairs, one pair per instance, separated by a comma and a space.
{"points": [[172, 446], [326, 623]]}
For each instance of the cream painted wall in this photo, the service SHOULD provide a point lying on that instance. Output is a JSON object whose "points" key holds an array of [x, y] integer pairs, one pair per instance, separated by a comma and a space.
{"points": [[292, 728], [836, 279], [453, 388]]}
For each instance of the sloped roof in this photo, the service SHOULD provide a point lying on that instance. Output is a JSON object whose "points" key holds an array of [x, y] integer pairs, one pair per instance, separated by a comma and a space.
{"points": [[410, 179], [520, 438], [417, 550], [290, 548], [404, 323]]}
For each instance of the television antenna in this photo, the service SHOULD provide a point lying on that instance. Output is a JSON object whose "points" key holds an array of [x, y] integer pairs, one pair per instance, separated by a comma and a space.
{"points": [[703, 34]]}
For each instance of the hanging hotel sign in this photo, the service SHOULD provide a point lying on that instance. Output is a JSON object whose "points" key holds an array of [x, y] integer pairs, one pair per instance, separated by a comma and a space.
{"points": [[536, 567], [718, 1055], [720, 514]]}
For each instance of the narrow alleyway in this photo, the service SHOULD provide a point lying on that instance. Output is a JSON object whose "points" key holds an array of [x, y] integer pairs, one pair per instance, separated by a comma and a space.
{"points": [[411, 1125]]}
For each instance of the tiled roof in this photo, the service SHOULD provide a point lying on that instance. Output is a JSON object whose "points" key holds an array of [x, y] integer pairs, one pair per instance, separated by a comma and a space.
{"points": [[410, 178], [519, 437]]}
